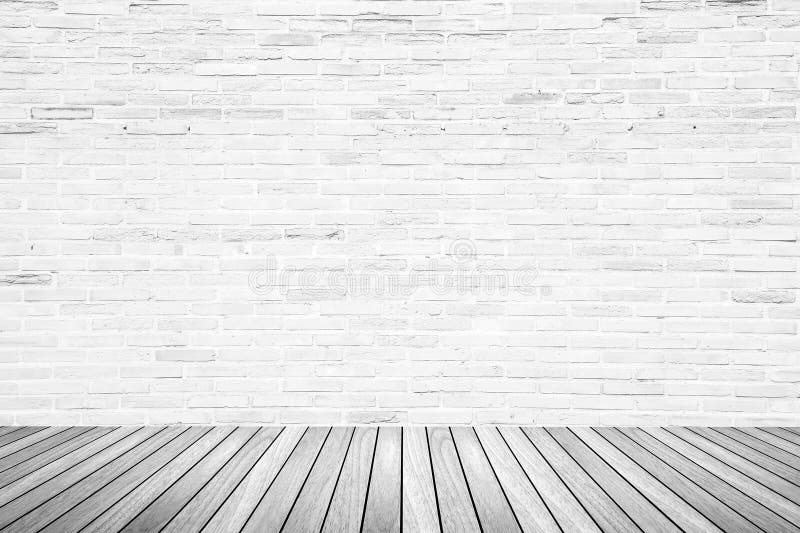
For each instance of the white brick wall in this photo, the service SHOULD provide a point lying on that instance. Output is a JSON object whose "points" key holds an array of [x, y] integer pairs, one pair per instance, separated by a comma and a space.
{"points": [[186, 184]]}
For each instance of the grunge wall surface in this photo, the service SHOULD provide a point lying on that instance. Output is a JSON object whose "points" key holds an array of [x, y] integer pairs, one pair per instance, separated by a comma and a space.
{"points": [[538, 212]]}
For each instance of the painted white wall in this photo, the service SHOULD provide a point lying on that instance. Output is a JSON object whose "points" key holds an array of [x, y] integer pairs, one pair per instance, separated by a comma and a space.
{"points": [[187, 188]]}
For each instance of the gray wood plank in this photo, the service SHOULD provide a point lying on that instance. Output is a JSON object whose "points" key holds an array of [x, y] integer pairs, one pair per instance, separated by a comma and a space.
{"points": [[8, 429], [772, 440], [201, 508], [312, 504], [98, 498], [746, 471], [456, 511], [24, 502], [647, 516], [7, 441], [760, 515], [491, 504], [567, 510], [237, 508], [605, 511], [52, 455], [37, 448], [382, 511], [660, 468], [274, 507], [347, 504], [161, 510], [29, 440], [126, 508], [66, 463], [747, 453], [787, 436], [70, 496], [774, 452], [686, 517], [419, 496], [529, 508]]}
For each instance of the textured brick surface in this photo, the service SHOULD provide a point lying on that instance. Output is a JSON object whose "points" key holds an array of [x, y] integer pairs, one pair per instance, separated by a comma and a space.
{"points": [[545, 211]]}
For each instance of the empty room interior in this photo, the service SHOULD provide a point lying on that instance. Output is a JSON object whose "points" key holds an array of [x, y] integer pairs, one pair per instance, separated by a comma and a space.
{"points": [[436, 266]]}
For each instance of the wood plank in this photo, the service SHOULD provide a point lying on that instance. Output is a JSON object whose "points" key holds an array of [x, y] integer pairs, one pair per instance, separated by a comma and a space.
{"points": [[274, 507], [126, 508], [312, 504], [788, 436], [16, 505], [99, 498], [686, 517], [419, 496], [237, 508], [384, 497], [60, 503], [491, 504], [29, 440], [567, 511], [755, 512], [772, 440], [11, 438], [161, 510], [456, 511], [660, 468], [52, 455], [37, 448], [529, 508], [605, 511], [201, 508], [747, 453], [765, 448], [647, 516], [66, 463], [4, 430], [746, 471], [347, 504]]}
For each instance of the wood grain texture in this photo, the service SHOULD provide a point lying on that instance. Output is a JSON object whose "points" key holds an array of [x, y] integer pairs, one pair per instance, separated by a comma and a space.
{"points": [[344, 479], [311, 506], [456, 511], [239, 505], [742, 502], [490, 500], [126, 508], [750, 455], [276, 504], [52, 455], [71, 496], [7, 441], [684, 516], [26, 501], [100, 499], [8, 429], [382, 511], [566, 509], [771, 440], [768, 488], [347, 503], [605, 511], [35, 449], [647, 516], [762, 447], [202, 507], [723, 516], [159, 512], [419, 496]]}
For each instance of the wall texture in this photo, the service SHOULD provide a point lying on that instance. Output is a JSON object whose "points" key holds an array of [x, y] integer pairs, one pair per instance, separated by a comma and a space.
{"points": [[546, 211]]}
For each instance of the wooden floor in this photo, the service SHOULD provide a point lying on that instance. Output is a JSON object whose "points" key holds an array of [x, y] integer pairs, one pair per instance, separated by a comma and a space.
{"points": [[457, 479]]}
